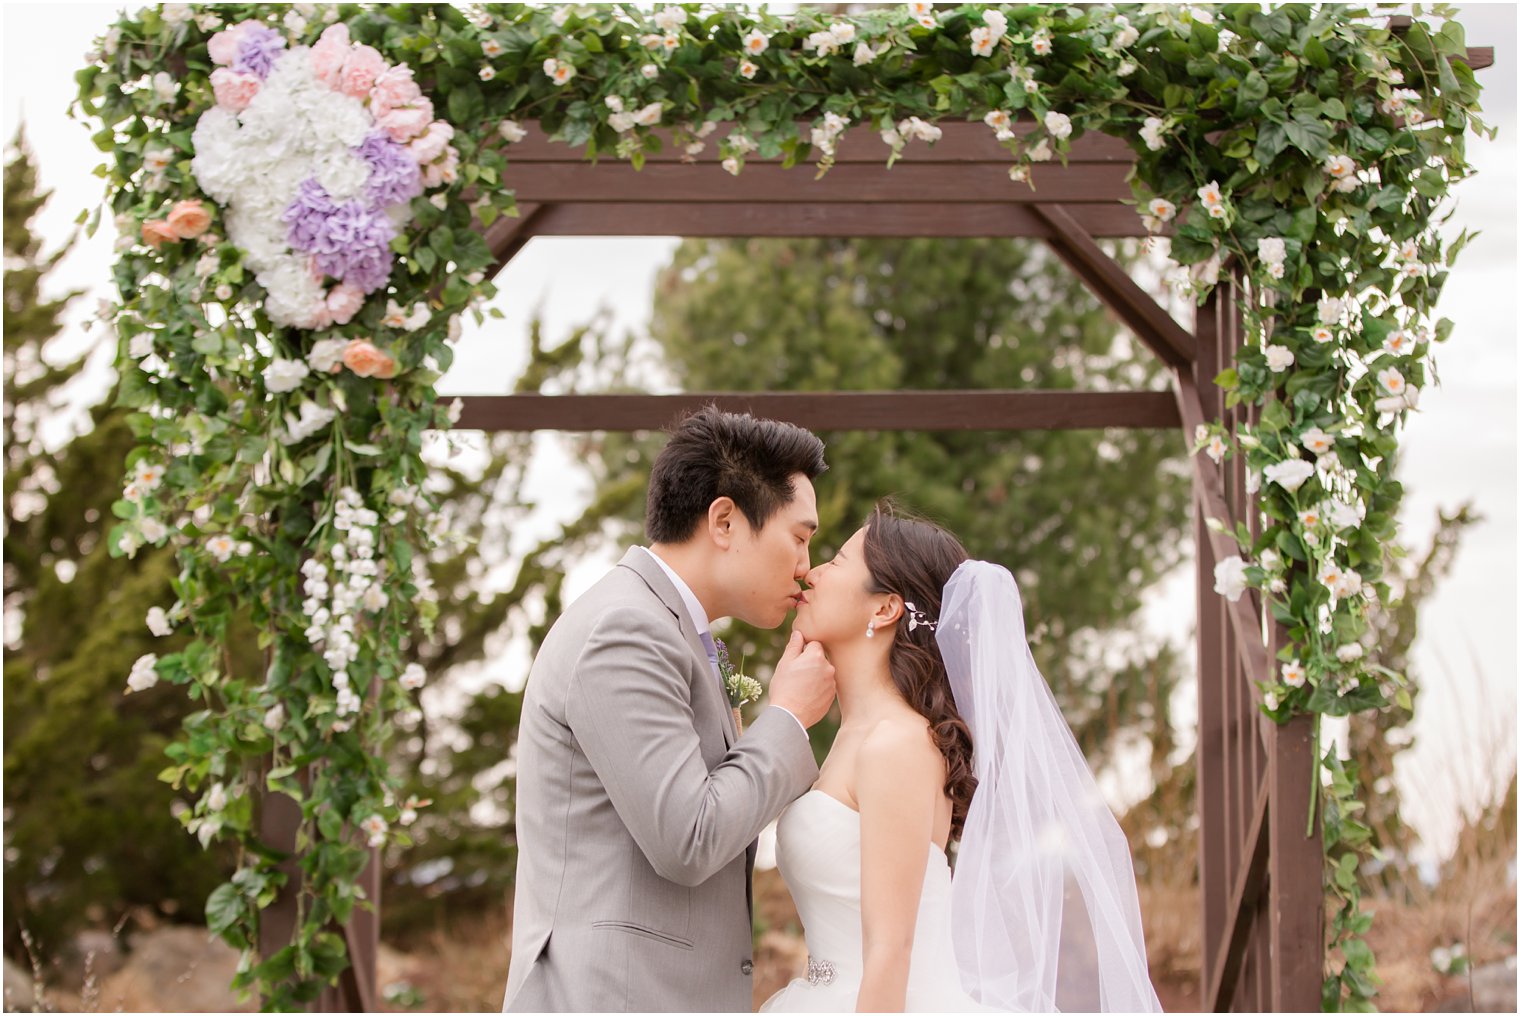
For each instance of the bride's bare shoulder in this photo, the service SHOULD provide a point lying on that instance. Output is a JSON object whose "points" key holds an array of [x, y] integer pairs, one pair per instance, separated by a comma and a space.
{"points": [[898, 739]]}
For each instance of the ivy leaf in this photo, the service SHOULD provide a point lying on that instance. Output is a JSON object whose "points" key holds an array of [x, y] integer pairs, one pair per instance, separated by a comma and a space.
{"points": [[1312, 137], [224, 908]]}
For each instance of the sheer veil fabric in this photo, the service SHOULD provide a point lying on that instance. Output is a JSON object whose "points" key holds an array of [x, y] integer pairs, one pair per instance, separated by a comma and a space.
{"points": [[1045, 912]]}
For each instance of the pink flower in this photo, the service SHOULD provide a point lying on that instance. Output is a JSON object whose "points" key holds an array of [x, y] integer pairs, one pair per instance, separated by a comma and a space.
{"points": [[189, 219], [360, 71], [443, 171], [344, 302], [431, 145], [393, 90], [328, 54], [223, 46], [405, 123], [157, 232], [364, 359], [234, 91]]}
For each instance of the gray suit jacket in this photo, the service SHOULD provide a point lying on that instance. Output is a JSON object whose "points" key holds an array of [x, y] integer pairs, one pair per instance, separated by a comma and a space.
{"points": [[638, 809]]}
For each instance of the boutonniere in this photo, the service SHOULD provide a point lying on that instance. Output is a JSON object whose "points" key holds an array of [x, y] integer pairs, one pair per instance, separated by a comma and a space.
{"points": [[740, 687]]}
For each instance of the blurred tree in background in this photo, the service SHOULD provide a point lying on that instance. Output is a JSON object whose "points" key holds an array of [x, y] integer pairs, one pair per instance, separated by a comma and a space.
{"points": [[1087, 520]]}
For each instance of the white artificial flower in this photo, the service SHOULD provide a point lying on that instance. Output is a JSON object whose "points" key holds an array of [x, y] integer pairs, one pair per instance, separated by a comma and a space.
{"points": [[1216, 448], [1309, 518], [843, 32], [1272, 249], [158, 622], [1018, 173], [1399, 343], [649, 71], [864, 54], [1290, 474], [511, 131], [375, 598], [312, 418], [1128, 35], [1269, 560], [1323, 334], [455, 410], [649, 115], [1230, 578], [491, 48], [1126, 68], [670, 19], [1040, 43], [156, 160], [983, 41], [1294, 675], [221, 547], [1340, 167], [755, 42], [143, 675], [731, 165], [152, 529], [274, 719], [285, 375], [1270, 701], [652, 40], [1391, 381], [1151, 133], [1058, 124], [413, 676], [216, 799], [1162, 209], [1330, 309], [375, 827], [614, 103], [165, 88], [1279, 358], [559, 71], [748, 68], [176, 14], [148, 475], [487, 72], [1210, 195], [1399, 101], [671, 41], [1041, 152], [326, 354], [1346, 516], [1316, 440], [1349, 652]]}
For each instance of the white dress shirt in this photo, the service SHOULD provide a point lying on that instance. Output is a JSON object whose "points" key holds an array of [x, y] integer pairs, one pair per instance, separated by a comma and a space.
{"points": [[698, 613]]}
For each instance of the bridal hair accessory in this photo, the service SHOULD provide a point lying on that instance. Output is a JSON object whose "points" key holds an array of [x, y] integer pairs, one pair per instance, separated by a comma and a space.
{"points": [[1045, 916], [918, 619]]}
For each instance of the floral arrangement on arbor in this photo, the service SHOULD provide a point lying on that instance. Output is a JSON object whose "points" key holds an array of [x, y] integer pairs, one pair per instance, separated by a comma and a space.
{"points": [[300, 233]]}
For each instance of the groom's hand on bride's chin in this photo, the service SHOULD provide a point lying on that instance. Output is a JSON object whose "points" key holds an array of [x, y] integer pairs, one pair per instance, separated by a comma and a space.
{"points": [[804, 681]]}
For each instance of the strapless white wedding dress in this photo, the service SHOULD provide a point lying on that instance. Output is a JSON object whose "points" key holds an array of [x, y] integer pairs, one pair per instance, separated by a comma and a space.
{"points": [[818, 855]]}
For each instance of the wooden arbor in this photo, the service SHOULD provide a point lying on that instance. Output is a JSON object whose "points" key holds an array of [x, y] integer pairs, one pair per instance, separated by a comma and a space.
{"points": [[1260, 874], [1263, 915]]}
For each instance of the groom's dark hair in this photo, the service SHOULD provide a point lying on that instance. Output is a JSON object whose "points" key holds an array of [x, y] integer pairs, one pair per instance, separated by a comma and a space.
{"points": [[713, 454]]}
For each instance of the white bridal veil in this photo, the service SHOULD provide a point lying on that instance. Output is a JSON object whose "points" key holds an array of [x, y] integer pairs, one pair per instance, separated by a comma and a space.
{"points": [[1045, 911]]}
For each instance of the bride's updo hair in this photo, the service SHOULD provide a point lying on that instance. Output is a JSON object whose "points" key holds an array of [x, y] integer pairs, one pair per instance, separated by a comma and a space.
{"points": [[914, 558]]}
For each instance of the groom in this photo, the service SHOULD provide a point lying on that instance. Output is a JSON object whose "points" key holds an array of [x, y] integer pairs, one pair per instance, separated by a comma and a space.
{"points": [[637, 803]]}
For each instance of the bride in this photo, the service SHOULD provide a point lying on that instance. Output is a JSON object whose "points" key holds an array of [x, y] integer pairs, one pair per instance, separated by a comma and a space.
{"points": [[949, 733]]}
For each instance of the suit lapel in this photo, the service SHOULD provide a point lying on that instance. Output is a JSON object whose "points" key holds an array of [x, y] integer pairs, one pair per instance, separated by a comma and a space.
{"points": [[644, 565]]}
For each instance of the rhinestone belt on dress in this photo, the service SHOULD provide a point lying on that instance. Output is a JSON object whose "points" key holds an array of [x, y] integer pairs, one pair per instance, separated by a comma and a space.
{"points": [[820, 971]]}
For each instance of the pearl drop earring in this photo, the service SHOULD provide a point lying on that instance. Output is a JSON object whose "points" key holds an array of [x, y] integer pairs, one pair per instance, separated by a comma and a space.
{"points": [[870, 629]]}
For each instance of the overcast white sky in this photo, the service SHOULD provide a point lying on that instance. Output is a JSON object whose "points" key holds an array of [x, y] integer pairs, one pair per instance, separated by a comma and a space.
{"points": [[1460, 447]]}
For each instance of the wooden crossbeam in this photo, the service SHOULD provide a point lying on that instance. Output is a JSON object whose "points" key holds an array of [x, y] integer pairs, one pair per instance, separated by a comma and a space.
{"points": [[928, 410], [847, 183], [1113, 285], [817, 218]]}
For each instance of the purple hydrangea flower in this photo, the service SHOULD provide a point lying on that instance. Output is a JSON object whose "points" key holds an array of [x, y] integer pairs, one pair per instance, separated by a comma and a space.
{"points": [[354, 245], [394, 177], [307, 216], [258, 49]]}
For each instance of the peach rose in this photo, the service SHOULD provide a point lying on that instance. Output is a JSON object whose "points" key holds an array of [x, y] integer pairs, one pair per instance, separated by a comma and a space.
{"points": [[405, 123], [344, 302], [364, 359], [189, 219], [444, 171], [394, 89], [431, 145], [360, 71], [328, 54], [234, 91], [157, 232]]}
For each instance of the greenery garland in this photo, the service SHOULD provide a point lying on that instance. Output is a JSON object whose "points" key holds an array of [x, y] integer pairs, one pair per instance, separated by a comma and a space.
{"points": [[1306, 149]]}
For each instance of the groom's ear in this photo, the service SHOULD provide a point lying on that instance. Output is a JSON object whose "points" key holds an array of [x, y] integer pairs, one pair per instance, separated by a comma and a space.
{"points": [[722, 518]]}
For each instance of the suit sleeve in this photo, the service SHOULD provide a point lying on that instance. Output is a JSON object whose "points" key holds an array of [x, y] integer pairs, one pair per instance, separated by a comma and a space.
{"points": [[629, 707]]}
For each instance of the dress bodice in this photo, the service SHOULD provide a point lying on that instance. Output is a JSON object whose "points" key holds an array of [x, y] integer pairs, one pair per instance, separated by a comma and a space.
{"points": [[818, 854]]}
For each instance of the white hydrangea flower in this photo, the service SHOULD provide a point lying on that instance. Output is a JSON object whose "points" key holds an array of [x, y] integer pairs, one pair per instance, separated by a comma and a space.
{"points": [[285, 375], [1349, 652], [1272, 249], [1279, 358]]}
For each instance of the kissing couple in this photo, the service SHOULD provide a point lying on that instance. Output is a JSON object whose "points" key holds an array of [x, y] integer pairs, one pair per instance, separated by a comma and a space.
{"points": [[639, 803]]}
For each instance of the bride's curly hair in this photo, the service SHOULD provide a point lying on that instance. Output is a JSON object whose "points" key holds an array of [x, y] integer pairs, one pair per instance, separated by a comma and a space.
{"points": [[914, 558]]}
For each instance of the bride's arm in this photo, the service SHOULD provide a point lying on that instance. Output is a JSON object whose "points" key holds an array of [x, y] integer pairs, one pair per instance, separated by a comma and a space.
{"points": [[895, 785]]}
